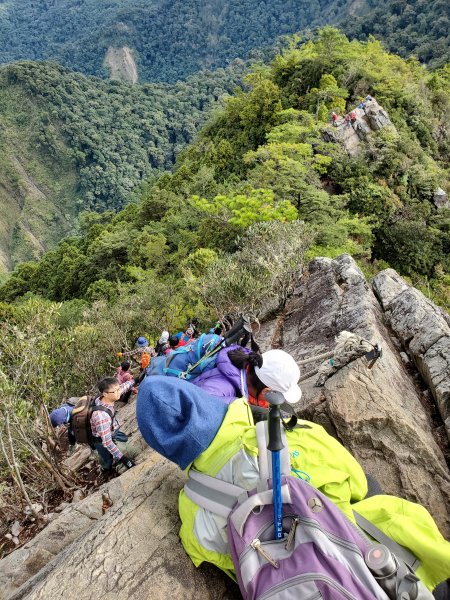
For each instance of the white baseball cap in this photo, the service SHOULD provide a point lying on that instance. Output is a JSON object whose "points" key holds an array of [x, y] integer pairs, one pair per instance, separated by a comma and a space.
{"points": [[280, 373]]}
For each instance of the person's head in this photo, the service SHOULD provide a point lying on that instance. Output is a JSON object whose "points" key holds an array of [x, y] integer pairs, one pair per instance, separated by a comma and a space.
{"points": [[58, 416], [125, 365], [173, 341], [164, 337], [109, 389], [274, 370], [142, 341], [189, 331], [218, 328]]}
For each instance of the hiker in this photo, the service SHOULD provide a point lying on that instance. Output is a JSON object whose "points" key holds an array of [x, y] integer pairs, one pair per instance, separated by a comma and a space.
{"points": [[217, 328], [198, 431], [353, 117], [334, 119], [105, 426], [143, 350], [61, 416], [173, 344], [186, 337], [195, 325], [123, 375], [347, 120], [362, 106], [163, 344], [240, 372], [369, 98]]}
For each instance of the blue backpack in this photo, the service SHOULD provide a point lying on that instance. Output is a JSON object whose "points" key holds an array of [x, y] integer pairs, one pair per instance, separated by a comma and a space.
{"points": [[189, 361]]}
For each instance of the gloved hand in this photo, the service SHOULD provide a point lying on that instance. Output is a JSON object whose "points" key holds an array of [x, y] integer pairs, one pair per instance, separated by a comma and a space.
{"points": [[140, 377], [129, 464]]}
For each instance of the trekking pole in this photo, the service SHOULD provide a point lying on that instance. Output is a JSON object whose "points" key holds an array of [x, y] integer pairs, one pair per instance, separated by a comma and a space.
{"points": [[275, 445]]}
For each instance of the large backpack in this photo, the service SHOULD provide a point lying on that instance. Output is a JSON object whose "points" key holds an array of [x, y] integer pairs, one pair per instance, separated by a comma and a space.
{"points": [[81, 419], [322, 553], [191, 360]]}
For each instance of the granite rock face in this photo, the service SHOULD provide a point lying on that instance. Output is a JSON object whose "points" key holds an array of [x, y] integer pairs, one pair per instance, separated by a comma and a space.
{"points": [[372, 118], [132, 552], [376, 413], [440, 199], [424, 332]]}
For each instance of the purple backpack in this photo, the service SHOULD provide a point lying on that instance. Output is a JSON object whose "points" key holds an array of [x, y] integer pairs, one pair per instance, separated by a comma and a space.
{"points": [[322, 554]]}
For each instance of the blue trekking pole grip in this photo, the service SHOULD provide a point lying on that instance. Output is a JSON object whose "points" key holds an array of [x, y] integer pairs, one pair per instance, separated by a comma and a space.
{"points": [[275, 445]]}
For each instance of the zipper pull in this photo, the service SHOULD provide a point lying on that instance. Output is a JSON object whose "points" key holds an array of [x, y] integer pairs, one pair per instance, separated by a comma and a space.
{"points": [[291, 537], [256, 545]]}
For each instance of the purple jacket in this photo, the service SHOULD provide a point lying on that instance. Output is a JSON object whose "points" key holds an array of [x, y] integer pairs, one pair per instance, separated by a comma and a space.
{"points": [[224, 380]]}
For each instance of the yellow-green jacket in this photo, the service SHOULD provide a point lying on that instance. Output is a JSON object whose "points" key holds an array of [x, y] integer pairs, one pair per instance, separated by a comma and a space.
{"points": [[232, 457]]}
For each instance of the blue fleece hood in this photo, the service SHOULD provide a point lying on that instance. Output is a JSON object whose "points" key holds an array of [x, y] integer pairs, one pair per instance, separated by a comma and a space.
{"points": [[176, 418]]}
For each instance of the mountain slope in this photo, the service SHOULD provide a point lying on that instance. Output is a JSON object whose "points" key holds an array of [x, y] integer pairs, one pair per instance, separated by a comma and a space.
{"points": [[418, 27], [171, 39], [272, 155], [38, 193], [72, 143]]}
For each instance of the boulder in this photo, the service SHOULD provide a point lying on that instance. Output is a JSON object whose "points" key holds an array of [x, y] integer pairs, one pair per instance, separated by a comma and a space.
{"points": [[424, 332], [372, 118], [376, 115], [133, 551], [440, 199], [75, 520]]}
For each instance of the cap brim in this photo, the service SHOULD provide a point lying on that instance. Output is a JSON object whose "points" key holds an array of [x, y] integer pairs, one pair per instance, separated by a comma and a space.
{"points": [[293, 394]]}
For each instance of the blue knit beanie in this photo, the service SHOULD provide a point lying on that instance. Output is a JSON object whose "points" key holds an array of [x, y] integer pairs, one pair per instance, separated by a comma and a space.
{"points": [[176, 418]]}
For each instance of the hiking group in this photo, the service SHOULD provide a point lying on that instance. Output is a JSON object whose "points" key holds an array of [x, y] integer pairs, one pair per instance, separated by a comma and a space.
{"points": [[351, 117], [274, 501]]}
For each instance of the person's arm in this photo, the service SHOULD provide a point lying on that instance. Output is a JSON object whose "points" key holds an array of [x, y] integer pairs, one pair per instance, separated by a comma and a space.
{"points": [[129, 352], [101, 422], [126, 386]]}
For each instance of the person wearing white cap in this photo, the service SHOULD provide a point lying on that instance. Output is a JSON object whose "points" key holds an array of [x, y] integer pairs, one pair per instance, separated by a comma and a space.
{"points": [[200, 431], [163, 343], [279, 372], [241, 372]]}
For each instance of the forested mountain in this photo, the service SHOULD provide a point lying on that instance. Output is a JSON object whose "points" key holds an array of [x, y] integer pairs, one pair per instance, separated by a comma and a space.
{"points": [[406, 27], [266, 157], [170, 39], [70, 143], [267, 184]]}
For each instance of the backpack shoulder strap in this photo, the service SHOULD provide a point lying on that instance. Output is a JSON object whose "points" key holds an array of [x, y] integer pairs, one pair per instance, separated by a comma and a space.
{"points": [[399, 551], [217, 496], [111, 413], [220, 497]]}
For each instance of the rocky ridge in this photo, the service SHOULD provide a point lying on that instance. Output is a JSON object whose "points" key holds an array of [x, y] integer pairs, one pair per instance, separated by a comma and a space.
{"points": [[383, 414], [372, 118]]}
